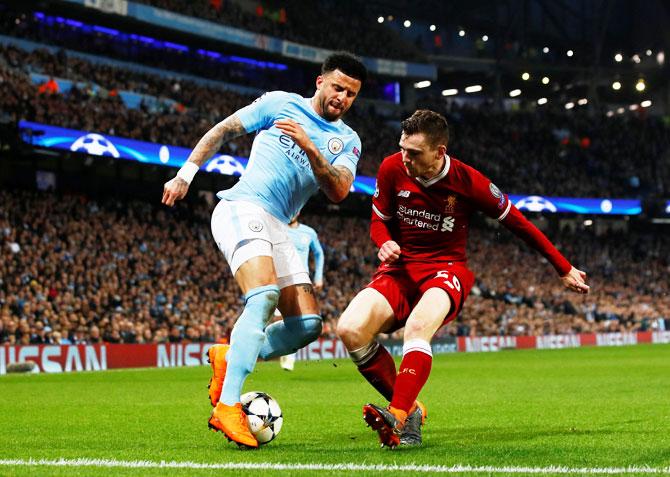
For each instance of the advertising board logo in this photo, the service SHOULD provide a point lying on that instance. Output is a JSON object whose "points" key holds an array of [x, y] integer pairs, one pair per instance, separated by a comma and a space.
{"points": [[225, 164], [535, 203], [96, 145]]}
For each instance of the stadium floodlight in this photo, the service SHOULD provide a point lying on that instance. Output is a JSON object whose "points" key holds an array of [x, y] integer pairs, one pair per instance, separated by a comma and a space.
{"points": [[525, 76], [432, 28], [461, 33], [646, 103], [640, 85], [616, 86], [545, 49], [485, 38], [588, 223], [407, 23], [380, 20], [620, 110], [545, 80], [422, 84], [636, 59], [474, 88], [542, 101], [514, 93], [569, 105], [660, 58], [582, 101], [649, 52], [449, 92], [618, 57], [569, 52], [633, 107], [610, 114]]}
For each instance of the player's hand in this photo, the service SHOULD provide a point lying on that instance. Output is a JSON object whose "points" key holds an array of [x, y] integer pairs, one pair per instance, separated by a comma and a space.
{"points": [[389, 252], [295, 131], [318, 286], [173, 190], [575, 280]]}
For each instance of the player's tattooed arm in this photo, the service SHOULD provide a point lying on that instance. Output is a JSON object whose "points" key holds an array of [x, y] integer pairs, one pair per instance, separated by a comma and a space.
{"points": [[228, 129], [177, 187], [335, 181]]}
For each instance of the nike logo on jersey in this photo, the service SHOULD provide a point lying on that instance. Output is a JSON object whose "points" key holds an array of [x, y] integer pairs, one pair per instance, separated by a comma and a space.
{"points": [[403, 193]]}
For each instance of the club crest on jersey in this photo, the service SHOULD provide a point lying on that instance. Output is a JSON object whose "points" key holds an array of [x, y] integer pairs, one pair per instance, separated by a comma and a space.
{"points": [[255, 226], [335, 145], [497, 193], [450, 206]]}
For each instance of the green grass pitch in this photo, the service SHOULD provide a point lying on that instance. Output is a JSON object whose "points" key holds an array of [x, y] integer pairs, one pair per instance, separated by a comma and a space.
{"points": [[579, 408]]}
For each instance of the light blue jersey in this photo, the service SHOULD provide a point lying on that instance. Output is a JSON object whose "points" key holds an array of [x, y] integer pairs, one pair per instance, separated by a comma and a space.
{"points": [[305, 239], [278, 176]]}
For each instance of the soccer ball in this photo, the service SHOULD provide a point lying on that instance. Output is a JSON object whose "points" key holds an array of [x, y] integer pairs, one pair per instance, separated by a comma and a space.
{"points": [[96, 145], [264, 415]]}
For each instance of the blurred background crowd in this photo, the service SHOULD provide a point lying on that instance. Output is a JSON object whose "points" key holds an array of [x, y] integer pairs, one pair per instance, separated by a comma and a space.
{"points": [[78, 268]]}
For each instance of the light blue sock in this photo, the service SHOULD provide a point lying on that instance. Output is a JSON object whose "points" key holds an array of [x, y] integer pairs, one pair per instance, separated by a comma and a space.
{"points": [[289, 335], [247, 338]]}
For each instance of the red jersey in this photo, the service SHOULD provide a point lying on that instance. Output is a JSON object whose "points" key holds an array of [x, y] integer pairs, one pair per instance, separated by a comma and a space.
{"points": [[429, 219]]}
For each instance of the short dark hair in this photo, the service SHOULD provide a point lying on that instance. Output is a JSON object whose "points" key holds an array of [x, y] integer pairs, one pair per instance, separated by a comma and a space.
{"points": [[347, 63], [433, 125]]}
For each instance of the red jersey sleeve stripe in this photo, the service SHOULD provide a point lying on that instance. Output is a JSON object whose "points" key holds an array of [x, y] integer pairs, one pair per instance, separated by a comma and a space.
{"points": [[379, 213], [507, 209]]}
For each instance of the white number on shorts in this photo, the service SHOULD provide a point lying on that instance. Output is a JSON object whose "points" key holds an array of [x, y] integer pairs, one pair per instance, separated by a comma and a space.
{"points": [[453, 283]]}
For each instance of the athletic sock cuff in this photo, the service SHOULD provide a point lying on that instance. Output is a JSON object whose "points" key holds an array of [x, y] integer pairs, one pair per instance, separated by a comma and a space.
{"points": [[419, 345], [255, 291]]}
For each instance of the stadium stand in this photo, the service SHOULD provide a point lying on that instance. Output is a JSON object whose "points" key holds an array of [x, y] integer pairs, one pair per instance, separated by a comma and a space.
{"points": [[67, 274]]}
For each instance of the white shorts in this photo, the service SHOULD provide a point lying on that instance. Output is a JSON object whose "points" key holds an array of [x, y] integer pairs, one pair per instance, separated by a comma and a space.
{"points": [[243, 230]]}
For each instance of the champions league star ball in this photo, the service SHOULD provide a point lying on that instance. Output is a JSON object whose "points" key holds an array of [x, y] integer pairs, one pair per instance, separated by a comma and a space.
{"points": [[264, 415], [96, 145]]}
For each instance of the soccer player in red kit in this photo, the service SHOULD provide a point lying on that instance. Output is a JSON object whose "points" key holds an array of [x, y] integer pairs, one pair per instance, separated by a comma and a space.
{"points": [[420, 222]]}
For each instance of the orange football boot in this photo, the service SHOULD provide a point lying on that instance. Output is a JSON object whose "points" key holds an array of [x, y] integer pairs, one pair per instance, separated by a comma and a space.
{"points": [[216, 356], [232, 421], [388, 422]]}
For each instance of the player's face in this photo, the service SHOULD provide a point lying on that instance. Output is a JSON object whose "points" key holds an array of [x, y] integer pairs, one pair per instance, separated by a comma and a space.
{"points": [[419, 157], [335, 93]]}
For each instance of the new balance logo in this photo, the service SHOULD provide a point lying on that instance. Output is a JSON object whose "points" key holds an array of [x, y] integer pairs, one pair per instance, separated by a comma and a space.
{"points": [[447, 224], [403, 193]]}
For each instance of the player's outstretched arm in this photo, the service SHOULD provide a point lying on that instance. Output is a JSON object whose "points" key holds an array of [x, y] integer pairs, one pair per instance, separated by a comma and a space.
{"points": [[176, 188], [335, 181], [575, 280]]}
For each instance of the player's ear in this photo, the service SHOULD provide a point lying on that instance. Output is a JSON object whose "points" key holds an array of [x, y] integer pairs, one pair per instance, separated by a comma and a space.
{"points": [[319, 82], [441, 150]]}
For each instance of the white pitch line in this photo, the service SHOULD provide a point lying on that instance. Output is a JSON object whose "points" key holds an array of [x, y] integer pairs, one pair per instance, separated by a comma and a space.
{"points": [[455, 469]]}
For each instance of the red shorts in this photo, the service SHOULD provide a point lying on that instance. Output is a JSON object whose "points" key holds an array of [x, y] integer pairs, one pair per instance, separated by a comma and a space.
{"points": [[403, 284]]}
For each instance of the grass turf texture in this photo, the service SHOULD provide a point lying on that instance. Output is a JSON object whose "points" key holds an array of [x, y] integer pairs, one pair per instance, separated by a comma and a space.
{"points": [[586, 407]]}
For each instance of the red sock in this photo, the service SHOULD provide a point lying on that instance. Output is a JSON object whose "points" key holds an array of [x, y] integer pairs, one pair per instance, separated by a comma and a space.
{"points": [[380, 372], [412, 375]]}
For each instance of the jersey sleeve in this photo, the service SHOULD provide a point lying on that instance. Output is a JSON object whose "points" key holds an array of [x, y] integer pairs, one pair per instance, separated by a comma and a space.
{"points": [[261, 113], [351, 155], [485, 195], [383, 205], [317, 250]]}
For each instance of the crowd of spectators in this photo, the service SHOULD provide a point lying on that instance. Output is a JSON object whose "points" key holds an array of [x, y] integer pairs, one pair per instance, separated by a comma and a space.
{"points": [[545, 152], [327, 24], [78, 270]]}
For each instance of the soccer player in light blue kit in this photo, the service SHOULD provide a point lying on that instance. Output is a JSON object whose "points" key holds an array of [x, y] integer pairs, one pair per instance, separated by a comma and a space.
{"points": [[301, 145], [305, 240]]}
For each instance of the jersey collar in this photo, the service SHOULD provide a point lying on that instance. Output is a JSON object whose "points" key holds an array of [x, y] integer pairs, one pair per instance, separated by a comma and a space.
{"points": [[443, 173]]}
